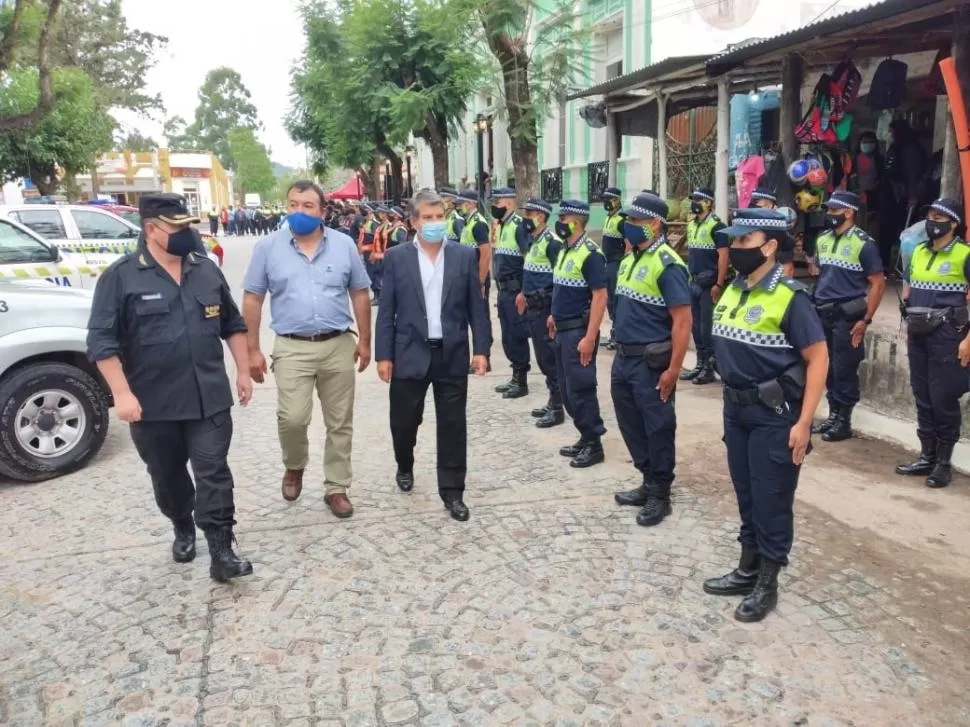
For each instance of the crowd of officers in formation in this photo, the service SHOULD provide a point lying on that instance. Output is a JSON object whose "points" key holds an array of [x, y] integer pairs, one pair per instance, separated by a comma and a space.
{"points": [[246, 220], [775, 344]]}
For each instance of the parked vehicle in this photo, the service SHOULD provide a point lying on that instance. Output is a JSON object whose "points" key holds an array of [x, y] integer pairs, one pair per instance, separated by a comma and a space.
{"points": [[53, 402]]}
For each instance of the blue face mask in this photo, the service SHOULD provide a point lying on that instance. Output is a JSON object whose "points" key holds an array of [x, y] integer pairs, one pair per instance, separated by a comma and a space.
{"points": [[302, 224], [433, 232], [636, 234]]}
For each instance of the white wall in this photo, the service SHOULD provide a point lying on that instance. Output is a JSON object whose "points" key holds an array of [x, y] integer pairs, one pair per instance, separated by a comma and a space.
{"points": [[190, 161]]}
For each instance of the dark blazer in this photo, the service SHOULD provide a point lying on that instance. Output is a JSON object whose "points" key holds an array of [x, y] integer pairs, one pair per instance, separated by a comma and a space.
{"points": [[402, 319]]}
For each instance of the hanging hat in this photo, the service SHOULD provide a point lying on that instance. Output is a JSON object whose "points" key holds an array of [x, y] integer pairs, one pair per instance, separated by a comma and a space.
{"points": [[574, 207], [646, 206]]}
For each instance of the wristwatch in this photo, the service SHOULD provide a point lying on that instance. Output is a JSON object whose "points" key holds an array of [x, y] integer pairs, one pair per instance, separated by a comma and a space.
{"points": [[867, 321]]}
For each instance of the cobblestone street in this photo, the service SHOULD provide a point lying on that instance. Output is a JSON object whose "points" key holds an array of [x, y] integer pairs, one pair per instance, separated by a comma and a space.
{"points": [[550, 607]]}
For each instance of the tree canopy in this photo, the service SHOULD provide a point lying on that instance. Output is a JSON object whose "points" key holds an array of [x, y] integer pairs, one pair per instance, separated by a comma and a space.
{"points": [[20, 25], [254, 170]]}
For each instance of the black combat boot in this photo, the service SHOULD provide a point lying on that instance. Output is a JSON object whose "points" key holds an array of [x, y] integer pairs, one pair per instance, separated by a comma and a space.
{"points": [[764, 597], [541, 411], [922, 465], [823, 426], [502, 388], [694, 372], [571, 450], [634, 498], [225, 563], [942, 473], [654, 511], [519, 387], [554, 416], [183, 547], [592, 453], [841, 429], [740, 581], [706, 375]]}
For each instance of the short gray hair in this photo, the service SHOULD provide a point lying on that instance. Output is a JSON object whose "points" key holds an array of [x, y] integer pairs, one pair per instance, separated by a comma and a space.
{"points": [[421, 197]]}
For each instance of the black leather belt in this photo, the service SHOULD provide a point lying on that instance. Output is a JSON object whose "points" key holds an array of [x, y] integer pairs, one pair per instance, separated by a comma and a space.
{"points": [[571, 324], [636, 351], [315, 338], [743, 397], [435, 343], [510, 286]]}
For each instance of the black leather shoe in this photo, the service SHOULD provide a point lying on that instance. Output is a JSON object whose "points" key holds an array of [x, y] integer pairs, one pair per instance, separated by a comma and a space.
{"points": [[540, 412], [942, 474], [705, 376], [922, 465], [823, 426], [636, 498], [552, 418], [571, 450], [458, 509], [589, 455], [405, 481], [519, 387], [183, 547], [841, 428], [225, 563], [654, 512], [763, 597], [693, 373], [502, 388], [740, 581]]}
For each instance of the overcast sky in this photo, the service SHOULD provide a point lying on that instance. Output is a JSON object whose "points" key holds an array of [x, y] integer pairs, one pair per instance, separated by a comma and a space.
{"points": [[259, 38]]}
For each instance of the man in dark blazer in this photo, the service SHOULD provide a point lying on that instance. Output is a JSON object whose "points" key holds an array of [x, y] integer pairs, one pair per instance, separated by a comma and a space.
{"points": [[431, 296]]}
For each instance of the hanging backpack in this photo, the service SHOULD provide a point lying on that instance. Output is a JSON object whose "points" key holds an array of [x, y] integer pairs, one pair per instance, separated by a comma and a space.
{"points": [[816, 126], [888, 87], [844, 85]]}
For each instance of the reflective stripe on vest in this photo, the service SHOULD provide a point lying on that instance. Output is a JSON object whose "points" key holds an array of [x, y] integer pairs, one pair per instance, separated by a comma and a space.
{"points": [[611, 228], [940, 270], [639, 277], [700, 235], [537, 258], [569, 266], [507, 244], [844, 252]]}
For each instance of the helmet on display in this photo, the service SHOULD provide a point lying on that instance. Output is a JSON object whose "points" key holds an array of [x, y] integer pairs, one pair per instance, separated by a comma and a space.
{"points": [[806, 200], [817, 177], [792, 216], [798, 171]]}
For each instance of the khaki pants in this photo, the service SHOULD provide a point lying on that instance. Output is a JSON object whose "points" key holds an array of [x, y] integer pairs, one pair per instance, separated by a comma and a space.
{"points": [[328, 366]]}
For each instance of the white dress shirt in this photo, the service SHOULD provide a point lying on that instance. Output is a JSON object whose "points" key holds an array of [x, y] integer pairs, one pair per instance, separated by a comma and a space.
{"points": [[433, 281]]}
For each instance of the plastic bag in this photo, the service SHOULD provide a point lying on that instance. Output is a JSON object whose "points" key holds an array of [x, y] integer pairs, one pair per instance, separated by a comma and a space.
{"points": [[909, 239]]}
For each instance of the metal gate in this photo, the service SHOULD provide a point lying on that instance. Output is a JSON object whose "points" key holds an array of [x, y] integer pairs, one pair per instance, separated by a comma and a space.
{"points": [[691, 148]]}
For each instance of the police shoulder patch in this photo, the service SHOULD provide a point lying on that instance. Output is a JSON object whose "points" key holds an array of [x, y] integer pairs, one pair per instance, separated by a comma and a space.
{"points": [[795, 285], [592, 246], [863, 235], [667, 258]]}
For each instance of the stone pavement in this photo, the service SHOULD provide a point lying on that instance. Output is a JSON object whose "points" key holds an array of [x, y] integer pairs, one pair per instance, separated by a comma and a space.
{"points": [[550, 607]]}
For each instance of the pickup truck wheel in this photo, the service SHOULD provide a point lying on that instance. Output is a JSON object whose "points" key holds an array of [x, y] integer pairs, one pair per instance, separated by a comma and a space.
{"points": [[53, 419]]}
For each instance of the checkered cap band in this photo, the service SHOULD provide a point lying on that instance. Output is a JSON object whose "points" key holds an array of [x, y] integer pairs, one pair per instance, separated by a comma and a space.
{"points": [[466, 196], [569, 282], [759, 224], [537, 208], [939, 287], [640, 297], [836, 202], [537, 267], [764, 195], [952, 214], [503, 195], [610, 194], [570, 210], [702, 195], [642, 211], [751, 338], [838, 262]]}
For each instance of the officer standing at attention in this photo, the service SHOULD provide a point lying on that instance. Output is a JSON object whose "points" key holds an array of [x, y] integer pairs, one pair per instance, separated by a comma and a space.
{"points": [[397, 233], [454, 223], [767, 199], [614, 248], [512, 242], [578, 305], [475, 233], [536, 301], [365, 244], [158, 320], [850, 265], [652, 334], [938, 343], [707, 263], [772, 359]]}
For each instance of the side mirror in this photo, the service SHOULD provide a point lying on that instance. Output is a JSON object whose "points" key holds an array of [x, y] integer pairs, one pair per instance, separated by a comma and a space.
{"points": [[55, 253]]}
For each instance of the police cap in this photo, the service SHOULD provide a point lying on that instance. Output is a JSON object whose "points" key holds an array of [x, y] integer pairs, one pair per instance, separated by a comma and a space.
{"points": [[447, 193], [646, 206], [503, 193], [765, 193], [844, 201], [612, 193], [167, 207], [468, 195], [756, 219], [538, 205], [702, 193], [574, 207], [397, 211], [949, 207]]}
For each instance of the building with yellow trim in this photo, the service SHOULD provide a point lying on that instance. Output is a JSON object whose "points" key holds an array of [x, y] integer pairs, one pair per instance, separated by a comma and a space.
{"points": [[126, 175]]}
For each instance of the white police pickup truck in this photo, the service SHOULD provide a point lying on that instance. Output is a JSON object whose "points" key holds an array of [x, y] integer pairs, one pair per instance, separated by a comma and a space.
{"points": [[53, 402]]}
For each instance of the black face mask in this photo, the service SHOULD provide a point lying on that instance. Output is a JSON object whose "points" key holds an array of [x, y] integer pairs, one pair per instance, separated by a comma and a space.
{"points": [[834, 221], [935, 230], [562, 229], [529, 225], [696, 208], [183, 242], [746, 260], [498, 212]]}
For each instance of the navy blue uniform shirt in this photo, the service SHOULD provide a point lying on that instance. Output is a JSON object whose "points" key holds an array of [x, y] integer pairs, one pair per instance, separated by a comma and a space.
{"points": [[845, 276], [646, 319], [572, 300]]}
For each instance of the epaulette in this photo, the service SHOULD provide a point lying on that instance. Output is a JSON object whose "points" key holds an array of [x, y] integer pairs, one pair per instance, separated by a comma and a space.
{"points": [[667, 258], [863, 235], [794, 285], [592, 246]]}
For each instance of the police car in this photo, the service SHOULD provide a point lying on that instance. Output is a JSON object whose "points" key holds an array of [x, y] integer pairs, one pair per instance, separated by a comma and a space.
{"points": [[53, 402], [71, 245]]}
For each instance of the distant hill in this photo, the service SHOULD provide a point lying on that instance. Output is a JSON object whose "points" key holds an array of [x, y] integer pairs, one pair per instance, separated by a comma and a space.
{"points": [[281, 170]]}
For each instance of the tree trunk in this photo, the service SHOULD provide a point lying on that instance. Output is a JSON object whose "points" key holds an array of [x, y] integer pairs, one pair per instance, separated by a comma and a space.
{"points": [[373, 190], [46, 100], [438, 143]]}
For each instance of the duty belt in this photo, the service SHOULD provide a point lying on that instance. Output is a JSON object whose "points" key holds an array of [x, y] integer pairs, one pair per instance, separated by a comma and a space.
{"points": [[657, 355], [510, 285], [539, 299], [775, 393], [850, 310], [571, 324]]}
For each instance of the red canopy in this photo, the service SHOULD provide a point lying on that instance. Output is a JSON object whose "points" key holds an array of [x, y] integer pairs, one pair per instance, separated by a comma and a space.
{"points": [[354, 189]]}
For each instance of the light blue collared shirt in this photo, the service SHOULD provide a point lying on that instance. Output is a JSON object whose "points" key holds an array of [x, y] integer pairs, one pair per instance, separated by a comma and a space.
{"points": [[307, 295], [433, 282]]}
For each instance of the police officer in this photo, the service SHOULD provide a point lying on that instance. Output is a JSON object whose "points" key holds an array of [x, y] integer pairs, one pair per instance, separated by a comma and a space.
{"points": [[766, 198], [365, 244], [157, 324], [707, 263], [652, 334], [850, 263], [512, 242], [454, 223], [475, 234], [397, 233], [938, 344], [579, 300], [614, 248], [536, 300], [772, 358]]}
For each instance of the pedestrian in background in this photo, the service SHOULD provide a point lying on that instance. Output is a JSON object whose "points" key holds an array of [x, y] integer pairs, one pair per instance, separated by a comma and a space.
{"points": [[313, 276], [157, 324]]}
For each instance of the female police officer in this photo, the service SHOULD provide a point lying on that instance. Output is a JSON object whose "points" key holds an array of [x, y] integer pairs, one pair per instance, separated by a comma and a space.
{"points": [[935, 308], [765, 332]]}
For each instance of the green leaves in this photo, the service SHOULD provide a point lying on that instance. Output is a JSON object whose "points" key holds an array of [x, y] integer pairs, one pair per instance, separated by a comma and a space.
{"points": [[254, 170]]}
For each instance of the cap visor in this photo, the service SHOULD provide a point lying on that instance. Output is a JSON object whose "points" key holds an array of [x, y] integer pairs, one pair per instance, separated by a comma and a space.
{"points": [[738, 230], [181, 220]]}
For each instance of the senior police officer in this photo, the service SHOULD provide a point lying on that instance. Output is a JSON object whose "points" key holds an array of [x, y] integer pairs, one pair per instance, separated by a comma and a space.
{"points": [[512, 242], [938, 343], [772, 359], [454, 223], [614, 248], [475, 234], [850, 265], [652, 333], [707, 263], [157, 323], [579, 300], [536, 300]]}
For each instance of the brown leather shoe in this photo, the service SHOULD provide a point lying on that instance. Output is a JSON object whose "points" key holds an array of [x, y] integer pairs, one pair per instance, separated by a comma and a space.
{"points": [[339, 505], [292, 485]]}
